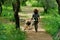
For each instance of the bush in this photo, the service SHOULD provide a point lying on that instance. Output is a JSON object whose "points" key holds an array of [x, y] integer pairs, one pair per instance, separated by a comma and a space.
{"points": [[8, 13], [8, 32], [52, 22], [34, 3]]}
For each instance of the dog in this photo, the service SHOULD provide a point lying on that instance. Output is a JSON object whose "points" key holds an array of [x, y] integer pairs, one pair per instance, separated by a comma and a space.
{"points": [[27, 24]]}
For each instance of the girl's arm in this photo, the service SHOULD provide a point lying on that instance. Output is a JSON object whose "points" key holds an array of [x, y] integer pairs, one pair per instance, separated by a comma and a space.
{"points": [[32, 17], [38, 18]]}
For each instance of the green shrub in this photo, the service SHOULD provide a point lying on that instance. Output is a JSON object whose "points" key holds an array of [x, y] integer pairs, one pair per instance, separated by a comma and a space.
{"points": [[52, 22], [8, 32], [8, 13], [51, 25]]}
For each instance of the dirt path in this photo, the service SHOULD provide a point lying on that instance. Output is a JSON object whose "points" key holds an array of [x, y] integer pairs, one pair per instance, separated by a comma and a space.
{"points": [[40, 35], [31, 34]]}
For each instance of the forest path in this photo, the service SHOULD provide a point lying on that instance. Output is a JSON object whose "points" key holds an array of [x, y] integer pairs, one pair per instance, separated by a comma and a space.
{"points": [[31, 34]]}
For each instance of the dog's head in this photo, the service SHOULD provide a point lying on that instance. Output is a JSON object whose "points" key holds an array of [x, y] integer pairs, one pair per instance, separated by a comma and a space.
{"points": [[27, 20]]}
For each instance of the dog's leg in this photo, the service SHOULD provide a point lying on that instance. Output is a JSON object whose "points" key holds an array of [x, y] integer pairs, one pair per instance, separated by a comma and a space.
{"points": [[26, 27]]}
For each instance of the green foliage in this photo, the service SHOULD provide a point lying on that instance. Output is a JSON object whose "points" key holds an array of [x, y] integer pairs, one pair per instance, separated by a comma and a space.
{"points": [[23, 2], [52, 22], [7, 2], [42, 3], [8, 32], [8, 12], [33, 3], [51, 12], [2, 1], [51, 25], [28, 3], [49, 3]]}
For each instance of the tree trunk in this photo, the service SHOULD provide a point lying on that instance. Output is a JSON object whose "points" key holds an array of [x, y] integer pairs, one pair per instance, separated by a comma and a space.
{"points": [[45, 9], [19, 7], [16, 7], [46, 6], [58, 2], [59, 10], [0, 9], [17, 20], [1, 3], [16, 14]]}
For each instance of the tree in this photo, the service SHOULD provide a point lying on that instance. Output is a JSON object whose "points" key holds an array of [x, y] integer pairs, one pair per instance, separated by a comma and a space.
{"points": [[45, 4], [1, 3], [16, 7], [48, 4], [0, 8], [58, 2], [23, 2]]}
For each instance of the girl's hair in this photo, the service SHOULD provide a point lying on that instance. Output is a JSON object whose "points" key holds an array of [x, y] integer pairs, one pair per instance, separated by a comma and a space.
{"points": [[35, 11]]}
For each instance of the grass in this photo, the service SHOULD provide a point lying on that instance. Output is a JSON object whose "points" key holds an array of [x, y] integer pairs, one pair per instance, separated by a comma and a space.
{"points": [[8, 32], [51, 23], [8, 12]]}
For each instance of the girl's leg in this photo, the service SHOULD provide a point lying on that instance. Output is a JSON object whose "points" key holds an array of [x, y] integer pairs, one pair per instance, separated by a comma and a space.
{"points": [[36, 26]]}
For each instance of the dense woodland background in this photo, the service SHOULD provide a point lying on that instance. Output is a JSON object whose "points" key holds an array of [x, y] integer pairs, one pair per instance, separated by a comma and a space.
{"points": [[51, 20]]}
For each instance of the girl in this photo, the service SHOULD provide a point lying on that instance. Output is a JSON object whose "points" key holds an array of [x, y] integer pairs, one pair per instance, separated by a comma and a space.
{"points": [[35, 17]]}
